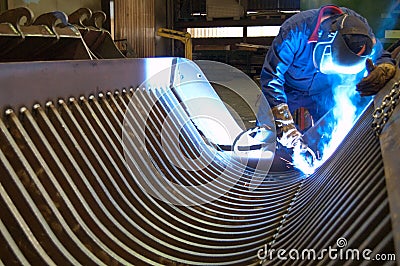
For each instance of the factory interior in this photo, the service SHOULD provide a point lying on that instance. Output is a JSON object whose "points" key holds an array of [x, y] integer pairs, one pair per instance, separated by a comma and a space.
{"points": [[121, 140]]}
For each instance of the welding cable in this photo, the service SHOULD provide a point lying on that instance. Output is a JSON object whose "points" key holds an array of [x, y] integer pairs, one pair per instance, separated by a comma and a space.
{"points": [[252, 132]]}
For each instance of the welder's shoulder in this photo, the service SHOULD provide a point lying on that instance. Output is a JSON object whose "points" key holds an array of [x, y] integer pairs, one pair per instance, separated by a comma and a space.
{"points": [[349, 11]]}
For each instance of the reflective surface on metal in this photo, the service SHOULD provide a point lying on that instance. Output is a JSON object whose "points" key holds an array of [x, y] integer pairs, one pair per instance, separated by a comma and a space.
{"points": [[67, 196], [28, 83]]}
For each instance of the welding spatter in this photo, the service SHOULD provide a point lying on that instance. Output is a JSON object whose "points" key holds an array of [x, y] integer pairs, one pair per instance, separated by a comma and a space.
{"points": [[305, 152]]}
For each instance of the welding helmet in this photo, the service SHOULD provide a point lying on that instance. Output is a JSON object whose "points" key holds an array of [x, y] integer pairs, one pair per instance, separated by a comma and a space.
{"points": [[343, 45]]}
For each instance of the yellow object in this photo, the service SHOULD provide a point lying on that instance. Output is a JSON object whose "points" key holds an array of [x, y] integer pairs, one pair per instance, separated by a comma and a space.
{"points": [[184, 37]]}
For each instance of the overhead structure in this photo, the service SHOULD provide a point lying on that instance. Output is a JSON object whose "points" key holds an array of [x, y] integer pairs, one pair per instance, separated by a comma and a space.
{"points": [[181, 36]]}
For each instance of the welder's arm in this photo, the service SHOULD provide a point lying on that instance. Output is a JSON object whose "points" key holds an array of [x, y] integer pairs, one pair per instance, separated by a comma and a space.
{"points": [[287, 133], [378, 76], [277, 61]]}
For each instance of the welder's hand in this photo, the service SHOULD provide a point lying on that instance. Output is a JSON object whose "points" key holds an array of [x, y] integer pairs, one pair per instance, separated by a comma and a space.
{"points": [[287, 133], [377, 78], [305, 152]]}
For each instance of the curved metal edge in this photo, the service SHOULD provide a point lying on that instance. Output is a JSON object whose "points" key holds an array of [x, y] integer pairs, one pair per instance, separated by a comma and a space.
{"points": [[390, 147]]}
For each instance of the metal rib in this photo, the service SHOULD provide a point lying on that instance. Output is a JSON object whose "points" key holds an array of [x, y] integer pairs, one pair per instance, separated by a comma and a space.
{"points": [[81, 191], [345, 198]]}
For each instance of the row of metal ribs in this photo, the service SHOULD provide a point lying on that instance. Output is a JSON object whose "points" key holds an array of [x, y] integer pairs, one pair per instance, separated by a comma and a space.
{"points": [[68, 197]]}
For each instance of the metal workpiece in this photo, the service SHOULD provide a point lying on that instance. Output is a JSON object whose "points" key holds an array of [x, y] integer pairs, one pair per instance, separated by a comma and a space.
{"points": [[54, 36], [46, 37], [98, 40], [345, 198], [387, 127], [69, 197], [28, 83], [101, 171]]}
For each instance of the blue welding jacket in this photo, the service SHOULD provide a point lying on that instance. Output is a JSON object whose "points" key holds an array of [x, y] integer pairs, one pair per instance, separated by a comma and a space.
{"points": [[288, 67]]}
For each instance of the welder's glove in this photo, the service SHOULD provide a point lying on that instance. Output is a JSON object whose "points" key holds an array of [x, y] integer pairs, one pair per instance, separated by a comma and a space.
{"points": [[378, 76], [287, 133]]}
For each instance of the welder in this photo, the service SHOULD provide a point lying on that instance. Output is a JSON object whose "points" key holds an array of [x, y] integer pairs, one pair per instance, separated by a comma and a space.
{"points": [[302, 65]]}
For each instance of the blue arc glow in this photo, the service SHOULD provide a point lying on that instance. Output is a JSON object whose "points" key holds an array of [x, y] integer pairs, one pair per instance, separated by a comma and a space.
{"points": [[328, 66], [346, 111]]}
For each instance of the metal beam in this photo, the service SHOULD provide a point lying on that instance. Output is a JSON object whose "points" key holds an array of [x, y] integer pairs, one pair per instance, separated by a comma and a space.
{"points": [[27, 83]]}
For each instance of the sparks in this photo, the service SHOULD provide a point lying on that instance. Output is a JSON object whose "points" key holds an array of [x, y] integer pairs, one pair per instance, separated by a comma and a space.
{"points": [[345, 113]]}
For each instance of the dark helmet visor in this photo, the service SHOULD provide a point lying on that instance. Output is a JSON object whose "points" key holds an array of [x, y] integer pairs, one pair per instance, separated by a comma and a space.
{"points": [[332, 55], [335, 57]]}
